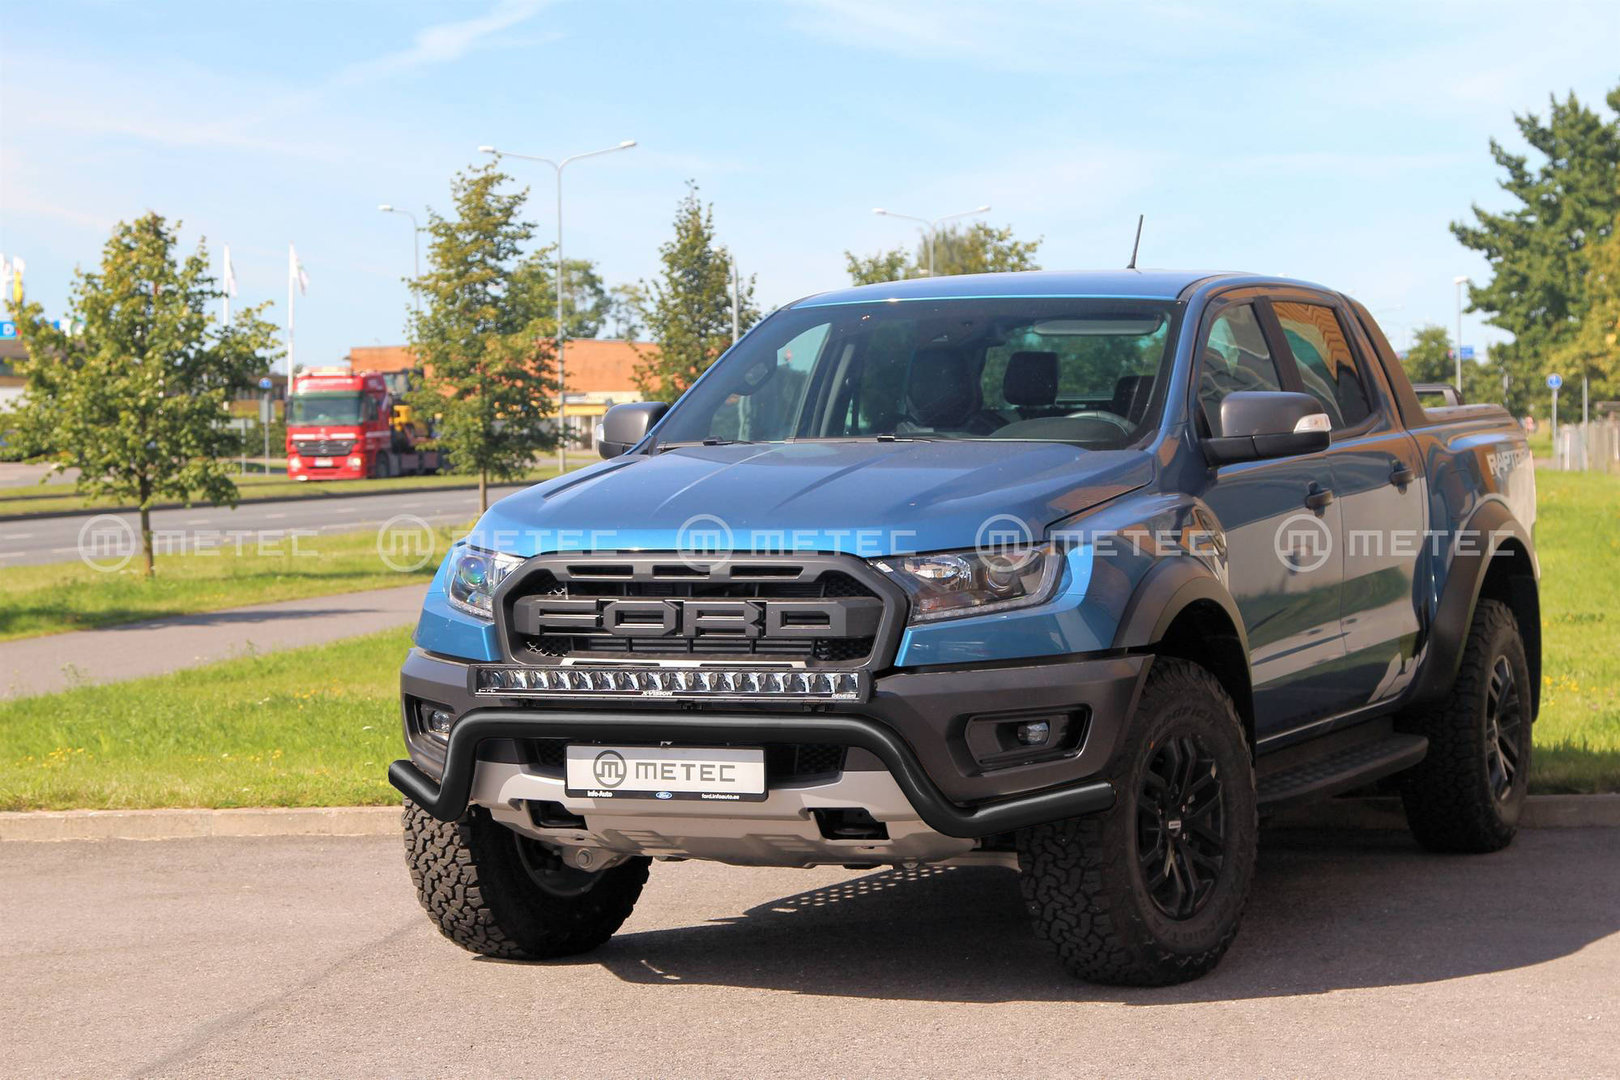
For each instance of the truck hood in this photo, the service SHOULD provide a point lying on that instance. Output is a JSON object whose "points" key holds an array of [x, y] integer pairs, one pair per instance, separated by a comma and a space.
{"points": [[859, 498]]}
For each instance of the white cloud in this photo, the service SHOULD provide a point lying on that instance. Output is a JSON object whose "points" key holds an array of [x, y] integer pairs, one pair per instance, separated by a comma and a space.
{"points": [[443, 43]]}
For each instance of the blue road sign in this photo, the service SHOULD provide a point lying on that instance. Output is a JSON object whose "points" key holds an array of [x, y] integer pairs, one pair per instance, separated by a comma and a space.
{"points": [[8, 329], [1467, 352], [1555, 380], [264, 383]]}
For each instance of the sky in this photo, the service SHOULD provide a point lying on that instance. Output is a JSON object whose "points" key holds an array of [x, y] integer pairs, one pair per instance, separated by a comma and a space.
{"points": [[1329, 141]]}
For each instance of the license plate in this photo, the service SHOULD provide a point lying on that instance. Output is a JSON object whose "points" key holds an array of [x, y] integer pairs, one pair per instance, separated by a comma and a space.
{"points": [[323, 463], [665, 772]]}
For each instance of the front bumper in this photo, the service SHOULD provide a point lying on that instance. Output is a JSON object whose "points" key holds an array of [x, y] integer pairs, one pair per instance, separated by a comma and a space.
{"points": [[914, 727]]}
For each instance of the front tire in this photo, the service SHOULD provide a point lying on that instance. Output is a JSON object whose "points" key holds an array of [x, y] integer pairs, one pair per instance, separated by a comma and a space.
{"points": [[1467, 793], [497, 893], [1152, 891]]}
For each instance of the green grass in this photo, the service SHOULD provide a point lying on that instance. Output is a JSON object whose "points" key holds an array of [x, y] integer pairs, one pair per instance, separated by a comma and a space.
{"points": [[42, 498], [58, 597], [1578, 540], [318, 726], [308, 727]]}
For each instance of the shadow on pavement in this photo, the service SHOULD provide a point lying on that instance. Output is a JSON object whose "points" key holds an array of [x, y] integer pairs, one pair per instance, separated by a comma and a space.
{"points": [[1330, 910]]}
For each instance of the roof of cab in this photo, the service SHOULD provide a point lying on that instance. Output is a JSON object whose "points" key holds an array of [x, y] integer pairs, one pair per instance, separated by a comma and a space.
{"points": [[1112, 284]]}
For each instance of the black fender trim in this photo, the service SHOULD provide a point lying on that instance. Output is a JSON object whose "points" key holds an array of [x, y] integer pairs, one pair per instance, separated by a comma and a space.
{"points": [[1454, 614], [448, 799], [1165, 592]]}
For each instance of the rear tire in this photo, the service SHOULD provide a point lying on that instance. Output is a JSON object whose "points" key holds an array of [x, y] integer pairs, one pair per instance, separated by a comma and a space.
{"points": [[1466, 795], [497, 893], [1152, 891]]}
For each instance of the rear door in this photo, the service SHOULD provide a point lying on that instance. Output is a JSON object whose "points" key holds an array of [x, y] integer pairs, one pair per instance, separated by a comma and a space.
{"points": [[1282, 531], [1378, 484]]}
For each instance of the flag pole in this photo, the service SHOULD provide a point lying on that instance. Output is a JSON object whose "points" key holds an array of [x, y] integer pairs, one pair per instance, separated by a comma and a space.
{"points": [[292, 286]]}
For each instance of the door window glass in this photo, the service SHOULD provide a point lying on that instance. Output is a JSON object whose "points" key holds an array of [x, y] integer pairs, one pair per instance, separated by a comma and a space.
{"points": [[1235, 358], [1326, 365]]}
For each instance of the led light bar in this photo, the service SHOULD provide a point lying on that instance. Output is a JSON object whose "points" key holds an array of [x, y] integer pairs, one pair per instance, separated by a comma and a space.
{"points": [[706, 683]]}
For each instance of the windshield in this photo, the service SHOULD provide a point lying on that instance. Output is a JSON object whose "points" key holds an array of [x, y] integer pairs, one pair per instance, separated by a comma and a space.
{"points": [[1088, 372], [332, 407]]}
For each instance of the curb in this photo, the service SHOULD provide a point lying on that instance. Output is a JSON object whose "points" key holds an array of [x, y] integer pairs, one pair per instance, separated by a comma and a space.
{"points": [[1540, 812], [1385, 813], [178, 824]]}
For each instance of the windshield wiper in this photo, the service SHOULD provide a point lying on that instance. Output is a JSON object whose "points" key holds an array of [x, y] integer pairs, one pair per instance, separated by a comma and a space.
{"points": [[713, 440]]}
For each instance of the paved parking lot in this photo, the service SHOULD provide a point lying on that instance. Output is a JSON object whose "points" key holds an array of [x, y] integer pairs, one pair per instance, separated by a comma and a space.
{"points": [[290, 956]]}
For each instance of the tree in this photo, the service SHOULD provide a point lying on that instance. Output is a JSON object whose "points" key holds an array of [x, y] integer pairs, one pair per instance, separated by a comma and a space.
{"points": [[974, 249], [687, 309], [483, 334], [1593, 350], [1539, 250], [135, 395], [1431, 360], [624, 310], [585, 301]]}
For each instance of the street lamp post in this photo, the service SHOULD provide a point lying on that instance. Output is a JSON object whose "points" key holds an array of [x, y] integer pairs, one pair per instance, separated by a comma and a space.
{"points": [[416, 251], [557, 167], [931, 227], [1459, 282]]}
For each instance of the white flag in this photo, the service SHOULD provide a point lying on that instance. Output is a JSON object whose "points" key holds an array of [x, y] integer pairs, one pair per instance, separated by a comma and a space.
{"points": [[14, 279], [295, 271], [5, 280], [230, 274]]}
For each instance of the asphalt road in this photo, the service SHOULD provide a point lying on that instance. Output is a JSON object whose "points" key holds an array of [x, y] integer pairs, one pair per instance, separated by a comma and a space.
{"points": [[26, 541], [274, 957]]}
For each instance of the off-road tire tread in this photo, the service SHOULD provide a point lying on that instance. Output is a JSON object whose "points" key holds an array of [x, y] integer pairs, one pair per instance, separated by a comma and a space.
{"points": [[1449, 805], [1074, 876], [469, 879]]}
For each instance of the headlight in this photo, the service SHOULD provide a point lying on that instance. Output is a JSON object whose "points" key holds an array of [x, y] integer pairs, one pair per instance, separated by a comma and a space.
{"points": [[955, 584], [474, 577]]}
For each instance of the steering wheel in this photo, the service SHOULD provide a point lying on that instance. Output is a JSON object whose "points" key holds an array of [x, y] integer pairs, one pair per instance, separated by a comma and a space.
{"points": [[1118, 421]]}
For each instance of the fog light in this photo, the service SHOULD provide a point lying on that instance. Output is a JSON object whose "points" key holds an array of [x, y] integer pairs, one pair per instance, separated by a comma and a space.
{"points": [[294, 463], [1033, 733], [356, 462], [436, 720]]}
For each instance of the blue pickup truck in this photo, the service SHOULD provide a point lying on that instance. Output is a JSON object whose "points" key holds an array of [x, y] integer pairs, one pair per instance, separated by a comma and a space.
{"points": [[1074, 573]]}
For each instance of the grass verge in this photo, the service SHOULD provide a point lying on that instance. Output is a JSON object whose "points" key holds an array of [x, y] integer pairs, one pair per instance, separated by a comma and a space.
{"points": [[40, 498], [59, 597], [307, 727], [1578, 733]]}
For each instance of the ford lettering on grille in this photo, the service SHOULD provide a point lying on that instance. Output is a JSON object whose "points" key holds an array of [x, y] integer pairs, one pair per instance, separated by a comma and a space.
{"points": [[849, 617]]}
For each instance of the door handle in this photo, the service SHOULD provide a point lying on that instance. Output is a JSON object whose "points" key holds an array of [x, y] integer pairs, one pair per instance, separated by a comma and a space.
{"points": [[1402, 476], [1319, 499]]}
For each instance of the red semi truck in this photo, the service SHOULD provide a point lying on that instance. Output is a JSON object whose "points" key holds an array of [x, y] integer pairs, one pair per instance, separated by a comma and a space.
{"points": [[346, 425]]}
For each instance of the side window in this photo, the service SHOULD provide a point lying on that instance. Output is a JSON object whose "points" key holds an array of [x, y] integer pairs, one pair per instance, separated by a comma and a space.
{"points": [[775, 404], [1326, 365], [1235, 358]]}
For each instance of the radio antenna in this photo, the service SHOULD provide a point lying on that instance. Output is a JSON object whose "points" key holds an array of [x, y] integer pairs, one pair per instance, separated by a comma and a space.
{"points": [[1136, 246]]}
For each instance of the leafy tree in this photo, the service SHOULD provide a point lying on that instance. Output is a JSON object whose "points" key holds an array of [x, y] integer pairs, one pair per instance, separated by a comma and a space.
{"points": [[1539, 250], [585, 301], [483, 334], [624, 310], [135, 396], [1593, 350], [1431, 360], [687, 308], [973, 249]]}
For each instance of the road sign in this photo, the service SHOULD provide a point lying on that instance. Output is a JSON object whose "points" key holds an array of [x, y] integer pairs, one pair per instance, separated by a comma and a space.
{"points": [[264, 383], [1554, 381], [8, 329], [1467, 352]]}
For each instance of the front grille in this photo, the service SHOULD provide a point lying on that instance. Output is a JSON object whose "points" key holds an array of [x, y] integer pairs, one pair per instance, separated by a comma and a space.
{"points": [[812, 611], [784, 763], [322, 447]]}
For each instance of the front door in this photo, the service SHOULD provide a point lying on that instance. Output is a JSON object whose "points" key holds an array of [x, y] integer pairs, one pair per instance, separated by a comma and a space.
{"points": [[1283, 535]]}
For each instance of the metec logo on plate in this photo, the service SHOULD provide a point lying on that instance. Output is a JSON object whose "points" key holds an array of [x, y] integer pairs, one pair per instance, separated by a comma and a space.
{"points": [[609, 769]]}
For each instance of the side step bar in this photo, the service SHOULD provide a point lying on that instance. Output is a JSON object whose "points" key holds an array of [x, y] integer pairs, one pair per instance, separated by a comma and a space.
{"points": [[1349, 768]]}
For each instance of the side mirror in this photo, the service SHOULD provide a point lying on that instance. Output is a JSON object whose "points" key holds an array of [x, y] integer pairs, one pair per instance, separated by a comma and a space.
{"points": [[625, 425], [1257, 424]]}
